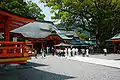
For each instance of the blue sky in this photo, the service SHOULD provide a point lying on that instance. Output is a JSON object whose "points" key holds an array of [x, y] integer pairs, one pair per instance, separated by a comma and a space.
{"points": [[46, 10]]}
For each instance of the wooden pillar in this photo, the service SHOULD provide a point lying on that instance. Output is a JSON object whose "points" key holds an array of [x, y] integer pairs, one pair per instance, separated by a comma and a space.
{"points": [[115, 48], [6, 33], [42, 44], [54, 45], [6, 29]]}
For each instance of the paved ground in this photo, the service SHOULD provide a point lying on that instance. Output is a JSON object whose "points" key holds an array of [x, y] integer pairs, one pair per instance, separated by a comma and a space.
{"points": [[56, 68], [105, 62], [109, 56]]}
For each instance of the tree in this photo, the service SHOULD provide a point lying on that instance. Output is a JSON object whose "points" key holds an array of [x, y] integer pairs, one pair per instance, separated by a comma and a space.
{"points": [[19, 7], [83, 36], [35, 11], [99, 17]]}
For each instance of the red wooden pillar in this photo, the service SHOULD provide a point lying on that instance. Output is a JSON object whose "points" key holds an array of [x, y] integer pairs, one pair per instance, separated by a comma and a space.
{"points": [[54, 45], [115, 45], [42, 44], [6, 32], [114, 48], [6, 29]]}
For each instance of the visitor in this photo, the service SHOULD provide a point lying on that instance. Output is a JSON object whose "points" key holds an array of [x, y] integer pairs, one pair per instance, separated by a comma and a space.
{"points": [[69, 52], [53, 51], [47, 49], [87, 52], [66, 52], [43, 53], [73, 51], [76, 51], [83, 52], [105, 51]]}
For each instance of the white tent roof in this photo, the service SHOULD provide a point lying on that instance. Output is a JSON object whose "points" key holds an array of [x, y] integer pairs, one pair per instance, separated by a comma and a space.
{"points": [[63, 44]]}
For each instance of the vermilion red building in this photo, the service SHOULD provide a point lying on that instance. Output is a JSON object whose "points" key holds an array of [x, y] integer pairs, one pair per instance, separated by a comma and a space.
{"points": [[41, 33], [113, 44], [12, 52]]}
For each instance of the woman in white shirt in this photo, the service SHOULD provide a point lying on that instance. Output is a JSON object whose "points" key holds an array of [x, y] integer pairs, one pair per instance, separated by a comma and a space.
{"points": [[69, 52]]}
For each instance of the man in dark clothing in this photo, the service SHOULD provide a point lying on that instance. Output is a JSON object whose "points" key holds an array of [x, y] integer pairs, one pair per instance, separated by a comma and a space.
{"points": [[53, 51]]}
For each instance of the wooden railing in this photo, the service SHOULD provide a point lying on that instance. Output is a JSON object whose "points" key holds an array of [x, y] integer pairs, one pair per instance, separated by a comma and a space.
{"points": [[12, 49]]}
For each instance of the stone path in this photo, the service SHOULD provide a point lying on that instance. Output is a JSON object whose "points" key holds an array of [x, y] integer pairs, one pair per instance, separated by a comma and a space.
{"points": [[105, 62]]}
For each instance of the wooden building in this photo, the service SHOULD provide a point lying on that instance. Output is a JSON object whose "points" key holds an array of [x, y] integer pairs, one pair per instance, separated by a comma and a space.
{"points": [[42, 34], [12, 52], [113, 44]]}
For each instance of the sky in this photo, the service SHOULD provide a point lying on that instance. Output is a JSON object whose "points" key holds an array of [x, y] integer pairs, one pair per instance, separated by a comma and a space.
{"points": [[46, 10]]}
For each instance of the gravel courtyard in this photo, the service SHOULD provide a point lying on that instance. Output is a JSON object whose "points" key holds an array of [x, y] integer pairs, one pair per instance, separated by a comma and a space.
{"points": [[58, 68]]}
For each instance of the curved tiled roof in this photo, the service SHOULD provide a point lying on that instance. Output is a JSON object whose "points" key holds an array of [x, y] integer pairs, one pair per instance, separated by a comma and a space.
{"points": [[35, 29], [117, 36]]}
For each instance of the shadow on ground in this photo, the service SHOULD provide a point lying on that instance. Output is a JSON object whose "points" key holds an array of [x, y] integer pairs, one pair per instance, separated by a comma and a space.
{"points": [[116, 59], [32, 74], [32, 64], [16, 66]]}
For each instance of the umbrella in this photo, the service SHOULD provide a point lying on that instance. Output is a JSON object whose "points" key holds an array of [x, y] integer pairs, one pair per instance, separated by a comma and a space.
{"points": [[36, 29], [63, 45]]}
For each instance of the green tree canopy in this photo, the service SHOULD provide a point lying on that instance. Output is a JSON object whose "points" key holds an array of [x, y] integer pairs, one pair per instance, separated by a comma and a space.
{"points": [[100, 17], [83, 36], [26, 9]]}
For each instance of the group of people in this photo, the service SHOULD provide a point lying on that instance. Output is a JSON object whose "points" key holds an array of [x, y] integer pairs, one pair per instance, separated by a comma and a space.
{"points": [[85, 52], [72, 52], [68, 52], [44, 52]]}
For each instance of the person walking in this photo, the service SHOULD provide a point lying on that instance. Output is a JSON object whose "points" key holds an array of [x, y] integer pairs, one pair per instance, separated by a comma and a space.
{"points": [[66, 52], [43, 53], [73, 51], [76, 51], [47, 50], [83, 52], [105, 51], [87, 52], [69, 52], [53, 51]]}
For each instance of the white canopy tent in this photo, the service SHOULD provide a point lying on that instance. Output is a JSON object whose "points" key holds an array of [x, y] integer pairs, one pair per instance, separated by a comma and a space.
{"points": [[63, 45]]}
